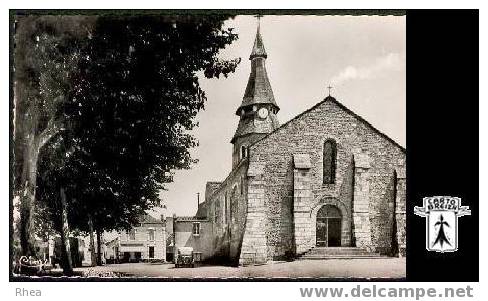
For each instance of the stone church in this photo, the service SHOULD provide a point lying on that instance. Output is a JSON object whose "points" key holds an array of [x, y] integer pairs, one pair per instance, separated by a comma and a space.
{"points": [[325, 179]]}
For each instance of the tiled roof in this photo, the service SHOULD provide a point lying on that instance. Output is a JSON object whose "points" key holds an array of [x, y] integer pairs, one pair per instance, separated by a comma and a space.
{"points": [[148, 219], [191, 218]]}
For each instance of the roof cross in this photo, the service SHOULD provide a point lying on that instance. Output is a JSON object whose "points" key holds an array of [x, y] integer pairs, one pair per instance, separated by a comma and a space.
{"points": [[330, 88]]}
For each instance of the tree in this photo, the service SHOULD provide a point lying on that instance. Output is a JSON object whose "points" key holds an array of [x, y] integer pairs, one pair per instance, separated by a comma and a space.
{"points": [[135, 103], [127, 111], [54, 179], [45, 58]]}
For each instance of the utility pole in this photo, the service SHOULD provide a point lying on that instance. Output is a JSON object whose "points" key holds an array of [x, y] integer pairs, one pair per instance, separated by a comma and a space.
{"points": [[198, 200]]}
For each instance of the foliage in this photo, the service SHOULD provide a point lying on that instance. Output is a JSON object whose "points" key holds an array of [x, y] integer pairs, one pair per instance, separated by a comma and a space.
{"points": [[127, 110], [46, 55]]}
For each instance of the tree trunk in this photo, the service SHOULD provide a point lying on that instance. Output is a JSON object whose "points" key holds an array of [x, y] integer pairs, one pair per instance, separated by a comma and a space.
{"points": [[99, 247], [27, 197], [33, 145], [65, 245], [92, 243]]}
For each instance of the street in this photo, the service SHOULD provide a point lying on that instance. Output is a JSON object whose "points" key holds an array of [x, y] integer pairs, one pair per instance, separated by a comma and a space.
{"points": [[336, 268]]}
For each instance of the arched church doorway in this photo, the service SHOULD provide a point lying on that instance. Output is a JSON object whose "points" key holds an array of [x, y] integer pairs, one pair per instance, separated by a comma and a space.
{"points": [[329, 226]]}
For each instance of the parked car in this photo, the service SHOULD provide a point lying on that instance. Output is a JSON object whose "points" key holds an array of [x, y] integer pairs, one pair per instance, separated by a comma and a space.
{"points": [[184, 257]]}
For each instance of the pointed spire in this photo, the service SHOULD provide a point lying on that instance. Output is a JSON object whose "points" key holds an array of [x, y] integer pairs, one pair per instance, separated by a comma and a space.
{"points": [[258, 94], [258, 89], [258, 48]]}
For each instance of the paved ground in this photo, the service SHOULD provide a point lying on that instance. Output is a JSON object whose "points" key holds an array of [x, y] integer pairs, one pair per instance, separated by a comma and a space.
{"points": [[337, 268]]}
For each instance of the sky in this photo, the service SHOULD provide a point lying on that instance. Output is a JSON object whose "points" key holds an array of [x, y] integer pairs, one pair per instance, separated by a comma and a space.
{"points": [[362, 57]]}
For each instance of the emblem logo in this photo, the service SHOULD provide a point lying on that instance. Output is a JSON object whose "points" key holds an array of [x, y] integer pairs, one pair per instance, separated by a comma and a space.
{"points": [[442, 213]]}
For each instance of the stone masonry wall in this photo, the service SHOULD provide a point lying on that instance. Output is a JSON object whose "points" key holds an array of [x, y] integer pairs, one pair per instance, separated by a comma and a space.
{"points": [[360, 208], [305, 135], [245, 141], [254, 243], [226, 209], [302, 197], [400, 203]]}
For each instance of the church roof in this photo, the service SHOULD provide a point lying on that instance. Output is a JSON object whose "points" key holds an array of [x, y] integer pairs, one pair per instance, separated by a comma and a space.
{"points": [[258, 89], [343, 107]]}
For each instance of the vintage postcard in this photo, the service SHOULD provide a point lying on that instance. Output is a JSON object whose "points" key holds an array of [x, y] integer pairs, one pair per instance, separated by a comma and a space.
{"points": [[217, 145]]}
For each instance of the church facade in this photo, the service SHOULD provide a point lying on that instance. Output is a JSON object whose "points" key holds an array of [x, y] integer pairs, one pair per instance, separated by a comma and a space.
{"points": [[325, 179]]}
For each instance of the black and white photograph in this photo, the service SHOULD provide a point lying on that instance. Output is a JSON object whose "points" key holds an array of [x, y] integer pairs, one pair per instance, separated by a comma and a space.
{"points": [[244, 145], [187, 145]]}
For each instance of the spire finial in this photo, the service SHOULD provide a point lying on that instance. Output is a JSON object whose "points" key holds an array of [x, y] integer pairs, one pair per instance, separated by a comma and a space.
{"points": [[330, 88], [258, 48], [258, 17]]}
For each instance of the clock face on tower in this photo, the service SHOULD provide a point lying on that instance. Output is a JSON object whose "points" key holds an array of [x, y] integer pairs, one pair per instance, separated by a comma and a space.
{"points": [[263, 113]]}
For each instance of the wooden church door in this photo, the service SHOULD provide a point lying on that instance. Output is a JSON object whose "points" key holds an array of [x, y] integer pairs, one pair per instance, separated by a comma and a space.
{"points": [[329, 227]]}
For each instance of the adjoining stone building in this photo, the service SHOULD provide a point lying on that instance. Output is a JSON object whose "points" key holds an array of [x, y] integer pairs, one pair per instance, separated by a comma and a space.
{"points": [[326, 178]]}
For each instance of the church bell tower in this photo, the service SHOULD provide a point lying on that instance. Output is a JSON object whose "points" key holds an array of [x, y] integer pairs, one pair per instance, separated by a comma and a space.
{"points": [[258, 109]]}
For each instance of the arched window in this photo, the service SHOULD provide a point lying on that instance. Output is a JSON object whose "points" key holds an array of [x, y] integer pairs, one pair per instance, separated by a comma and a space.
{"points": [[242, 185], [234, 206], [226, 202], [329, 161], [243, 152]]}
